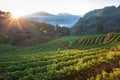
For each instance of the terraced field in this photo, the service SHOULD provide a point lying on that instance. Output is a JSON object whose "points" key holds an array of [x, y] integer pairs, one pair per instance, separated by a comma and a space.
{"points": [[92, 41], [69, 58]]}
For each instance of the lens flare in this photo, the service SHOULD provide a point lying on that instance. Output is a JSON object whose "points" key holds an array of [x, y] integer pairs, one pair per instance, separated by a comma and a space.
{"points": [[15, 15]]}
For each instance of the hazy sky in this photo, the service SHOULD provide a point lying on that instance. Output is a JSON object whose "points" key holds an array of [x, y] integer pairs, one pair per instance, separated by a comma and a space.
{"points": [[79, 7]]}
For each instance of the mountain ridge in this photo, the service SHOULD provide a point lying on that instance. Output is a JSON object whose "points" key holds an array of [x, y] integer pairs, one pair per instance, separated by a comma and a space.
{"points": [[62, 19], [99, 21]]}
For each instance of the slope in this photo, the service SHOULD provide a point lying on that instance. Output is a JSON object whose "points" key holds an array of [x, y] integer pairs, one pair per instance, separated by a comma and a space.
{"points": [[99, 21], [63, 19], [24, 32], [51, 61], [74, 42]]}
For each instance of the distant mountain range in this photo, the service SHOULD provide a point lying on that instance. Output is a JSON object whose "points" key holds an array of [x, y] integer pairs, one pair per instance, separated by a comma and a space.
{"points": [[62, 19]]}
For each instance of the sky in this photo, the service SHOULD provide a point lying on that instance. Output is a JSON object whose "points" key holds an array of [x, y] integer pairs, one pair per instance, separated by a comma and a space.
{"points": [[77, 7]]}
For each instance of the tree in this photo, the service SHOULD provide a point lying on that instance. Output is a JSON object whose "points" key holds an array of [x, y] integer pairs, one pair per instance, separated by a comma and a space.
{"points": [[119, 7], [100, 29], [65, 31], [4, 39], [62, 31], [80, 31]]}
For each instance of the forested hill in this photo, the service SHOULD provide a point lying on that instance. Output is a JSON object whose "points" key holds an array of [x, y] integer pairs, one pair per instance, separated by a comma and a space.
{"points": [[99, 21], [25, 32]]}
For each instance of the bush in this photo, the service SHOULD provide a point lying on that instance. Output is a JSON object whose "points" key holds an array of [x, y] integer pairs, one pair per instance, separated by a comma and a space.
{"points": [[4, 39]]}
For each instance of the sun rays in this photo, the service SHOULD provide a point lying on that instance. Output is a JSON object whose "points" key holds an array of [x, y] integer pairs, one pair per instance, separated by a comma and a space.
{"points": [[15, 15], [15, 22]]}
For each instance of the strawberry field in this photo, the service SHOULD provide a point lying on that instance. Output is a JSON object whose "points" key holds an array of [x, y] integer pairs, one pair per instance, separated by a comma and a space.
{"points": [[87, 58]]}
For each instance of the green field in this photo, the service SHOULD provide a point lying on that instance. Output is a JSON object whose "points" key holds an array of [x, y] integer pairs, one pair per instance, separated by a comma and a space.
{"points": [[95, 57]]}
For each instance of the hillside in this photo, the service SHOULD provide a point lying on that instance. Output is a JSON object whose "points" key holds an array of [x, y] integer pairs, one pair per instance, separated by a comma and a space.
{"points": [[25, 32], [99, 21], [63, 19], [59, 39], [92, 57]]}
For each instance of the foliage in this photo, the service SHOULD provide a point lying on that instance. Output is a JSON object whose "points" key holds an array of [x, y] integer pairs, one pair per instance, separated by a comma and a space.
{"points": [[25, 32], [50, 61], [62, 31], [99, 21], [5, 39], [4, 14], [114, 75]]}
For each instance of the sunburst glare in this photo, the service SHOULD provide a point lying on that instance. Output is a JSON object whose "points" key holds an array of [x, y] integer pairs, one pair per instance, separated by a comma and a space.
{"points": [[15, 22], [15, 15]]}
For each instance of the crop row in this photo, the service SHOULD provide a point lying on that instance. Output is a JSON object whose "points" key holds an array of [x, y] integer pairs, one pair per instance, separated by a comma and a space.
{"points": [[113, 75], [90, 41], [56, 67]]}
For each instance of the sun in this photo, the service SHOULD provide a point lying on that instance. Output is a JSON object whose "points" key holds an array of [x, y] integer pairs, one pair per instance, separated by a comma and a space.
{"points": [[15, 15]]}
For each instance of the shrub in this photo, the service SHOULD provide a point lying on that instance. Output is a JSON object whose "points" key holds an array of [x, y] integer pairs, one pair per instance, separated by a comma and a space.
{"points": [[4, 39]]}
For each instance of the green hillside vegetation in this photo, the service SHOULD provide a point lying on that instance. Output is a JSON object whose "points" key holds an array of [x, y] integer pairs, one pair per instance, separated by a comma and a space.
{"points": [[95, 57], [25, 32], [5, 39], [99, 21]]}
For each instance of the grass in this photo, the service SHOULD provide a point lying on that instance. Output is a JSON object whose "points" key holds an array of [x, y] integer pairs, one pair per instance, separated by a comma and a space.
{"points": [[88, 57]]}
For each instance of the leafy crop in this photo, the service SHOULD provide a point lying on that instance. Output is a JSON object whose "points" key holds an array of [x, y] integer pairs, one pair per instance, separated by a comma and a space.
{"points": [[50, 61]]}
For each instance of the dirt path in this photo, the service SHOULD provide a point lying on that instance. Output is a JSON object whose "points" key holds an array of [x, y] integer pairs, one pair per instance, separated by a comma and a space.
{"points": [[62, 44]]}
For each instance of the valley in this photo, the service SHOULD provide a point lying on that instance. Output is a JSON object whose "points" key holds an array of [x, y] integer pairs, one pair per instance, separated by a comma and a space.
{"points": [[62, 46], [88, 57]]}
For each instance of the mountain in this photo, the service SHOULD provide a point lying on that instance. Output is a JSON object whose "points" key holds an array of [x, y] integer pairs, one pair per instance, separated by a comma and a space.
{"points": [[41, 13], [25, 32], [62, 19], [65, 14], [99, 21]]}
